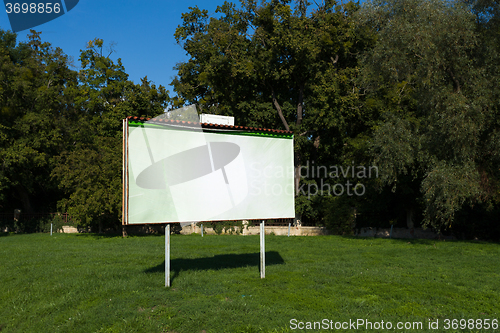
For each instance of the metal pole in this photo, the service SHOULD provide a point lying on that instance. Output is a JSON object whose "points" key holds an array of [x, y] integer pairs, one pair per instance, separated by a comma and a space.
{"points": [[262, 252], [167, 255], [51, 229], [289, 229], [202, 230]]}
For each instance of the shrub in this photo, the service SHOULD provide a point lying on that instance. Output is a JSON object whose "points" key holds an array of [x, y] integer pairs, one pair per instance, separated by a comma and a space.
{"points": [[227, 226], [339, 216]]}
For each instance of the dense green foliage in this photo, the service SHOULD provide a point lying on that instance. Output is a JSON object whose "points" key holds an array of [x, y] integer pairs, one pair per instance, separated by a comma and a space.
{"points": [[86, 283], [434, 73], [277, 66], [61, 129], [36, 88], [91, 172], [410, 87]]}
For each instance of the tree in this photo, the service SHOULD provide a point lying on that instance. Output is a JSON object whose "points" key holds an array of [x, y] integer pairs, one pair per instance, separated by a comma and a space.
{"points": [[35, 106], [90, 172], [436, 90], [277, 65]]}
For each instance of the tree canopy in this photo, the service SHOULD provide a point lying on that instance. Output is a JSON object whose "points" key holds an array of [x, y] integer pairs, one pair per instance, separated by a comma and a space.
{"points": [[60, 130], [407, 87], [279, 65], [437, 89]]}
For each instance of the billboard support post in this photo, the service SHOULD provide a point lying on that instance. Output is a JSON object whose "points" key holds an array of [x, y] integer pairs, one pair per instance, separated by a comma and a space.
{"points": [[262, 251], [209, 159], [167, 255]]}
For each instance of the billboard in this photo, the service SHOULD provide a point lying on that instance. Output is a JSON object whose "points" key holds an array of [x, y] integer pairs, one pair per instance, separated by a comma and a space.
{"points": [[174, 172]]}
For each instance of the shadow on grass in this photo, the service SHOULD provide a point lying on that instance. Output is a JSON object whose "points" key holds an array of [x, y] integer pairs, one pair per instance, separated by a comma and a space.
{"points": [[97, 235], [220, 261], [422, 241], [113, 235], [402, 240]]}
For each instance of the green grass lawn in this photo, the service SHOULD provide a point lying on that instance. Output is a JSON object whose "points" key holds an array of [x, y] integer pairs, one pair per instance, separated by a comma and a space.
{"points": [[89, 283]]}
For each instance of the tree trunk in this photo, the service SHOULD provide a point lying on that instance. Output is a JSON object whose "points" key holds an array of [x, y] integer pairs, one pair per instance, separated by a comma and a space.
{"points": [[300, 106], [297, 154], [23, 195], [280, 112]]}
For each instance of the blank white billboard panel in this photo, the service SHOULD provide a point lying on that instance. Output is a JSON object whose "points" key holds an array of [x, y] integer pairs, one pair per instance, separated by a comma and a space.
{"points": [[177, 174]]}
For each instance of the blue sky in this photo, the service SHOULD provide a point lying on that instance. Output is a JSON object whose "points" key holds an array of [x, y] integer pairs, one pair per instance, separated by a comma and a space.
{"points": [[142, 33]]}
